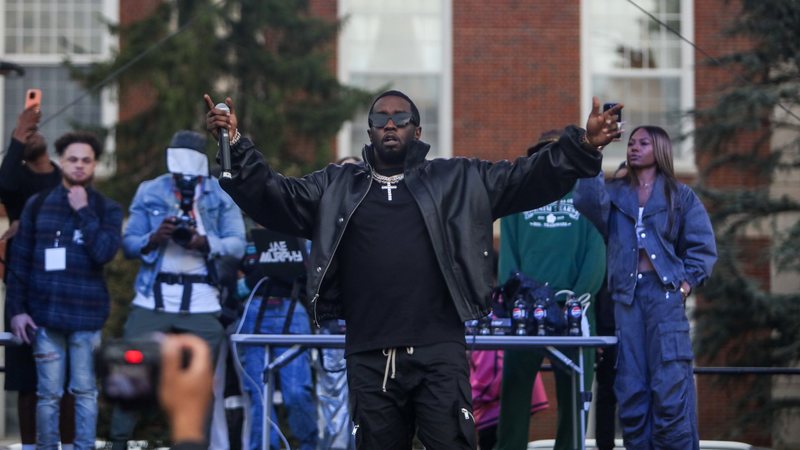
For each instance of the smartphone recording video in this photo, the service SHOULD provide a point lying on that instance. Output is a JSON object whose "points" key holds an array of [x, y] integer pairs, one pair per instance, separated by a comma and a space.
{"points": [[606, 107], [33, 97]]}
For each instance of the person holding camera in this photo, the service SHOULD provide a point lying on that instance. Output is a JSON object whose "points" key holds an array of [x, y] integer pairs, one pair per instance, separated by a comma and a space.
{"points": [[401, 249], [660, 247], [181, 223], [57, 297]]}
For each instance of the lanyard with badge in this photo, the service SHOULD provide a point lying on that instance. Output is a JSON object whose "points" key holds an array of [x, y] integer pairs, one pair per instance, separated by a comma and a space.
{"points": [[55, 257]]}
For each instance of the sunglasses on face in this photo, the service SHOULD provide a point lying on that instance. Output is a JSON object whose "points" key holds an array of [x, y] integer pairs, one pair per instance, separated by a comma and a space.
{"points": [[400, 119]]}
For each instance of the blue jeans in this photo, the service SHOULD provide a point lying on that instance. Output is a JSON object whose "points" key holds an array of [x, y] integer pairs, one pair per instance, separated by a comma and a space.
{"points": [[51, 350], [294, 378], [332, 395]]}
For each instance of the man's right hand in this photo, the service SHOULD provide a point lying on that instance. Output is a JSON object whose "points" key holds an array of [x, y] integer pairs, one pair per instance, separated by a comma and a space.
{"points": [[19, 326], [217, 118], [27, 124], [160, 237]]}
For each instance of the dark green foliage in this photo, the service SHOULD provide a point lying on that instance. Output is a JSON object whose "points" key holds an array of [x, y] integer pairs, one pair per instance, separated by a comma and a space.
{"points": [[753, 132], [271, 57]]}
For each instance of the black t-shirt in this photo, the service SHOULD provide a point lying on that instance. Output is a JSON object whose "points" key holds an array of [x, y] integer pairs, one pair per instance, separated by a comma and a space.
{"points": [[393, 290]]}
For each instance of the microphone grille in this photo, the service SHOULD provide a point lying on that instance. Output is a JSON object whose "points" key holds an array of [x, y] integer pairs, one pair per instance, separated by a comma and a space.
{"points": [[222, 106]]}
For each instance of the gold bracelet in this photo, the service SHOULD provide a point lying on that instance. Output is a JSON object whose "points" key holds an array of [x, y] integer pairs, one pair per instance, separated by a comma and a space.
{"points": [[236, 137]]}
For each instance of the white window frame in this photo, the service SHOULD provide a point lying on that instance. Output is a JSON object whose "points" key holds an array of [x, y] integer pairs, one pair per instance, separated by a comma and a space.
{"points": [[108, 96], [684, 165], [445, 145]]}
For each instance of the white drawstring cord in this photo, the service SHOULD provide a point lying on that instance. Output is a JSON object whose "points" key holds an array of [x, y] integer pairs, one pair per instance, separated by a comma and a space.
{"points": [[390, 354]]}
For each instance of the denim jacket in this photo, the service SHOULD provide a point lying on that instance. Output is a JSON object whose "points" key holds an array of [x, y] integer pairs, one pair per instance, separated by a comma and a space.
{"points": [[155, 200], [680, 249]]}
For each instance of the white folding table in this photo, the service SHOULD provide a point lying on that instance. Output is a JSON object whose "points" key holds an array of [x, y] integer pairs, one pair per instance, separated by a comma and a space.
{"points": [[552, 344]]}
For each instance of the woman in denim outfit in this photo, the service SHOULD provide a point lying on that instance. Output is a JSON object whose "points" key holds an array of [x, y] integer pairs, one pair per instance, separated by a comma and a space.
{"points": [[660, 246]]}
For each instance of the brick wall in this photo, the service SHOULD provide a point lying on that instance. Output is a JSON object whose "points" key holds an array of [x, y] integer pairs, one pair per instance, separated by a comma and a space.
{"points": [[516, 73], [135, 97], [712, 20]]}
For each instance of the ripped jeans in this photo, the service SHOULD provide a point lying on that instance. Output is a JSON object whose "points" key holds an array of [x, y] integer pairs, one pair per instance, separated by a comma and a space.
{"points": [[50, 351]]}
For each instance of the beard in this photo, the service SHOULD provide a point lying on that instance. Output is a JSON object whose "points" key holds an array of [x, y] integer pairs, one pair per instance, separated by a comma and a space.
{"points": [[394, 156], [75, 182]]}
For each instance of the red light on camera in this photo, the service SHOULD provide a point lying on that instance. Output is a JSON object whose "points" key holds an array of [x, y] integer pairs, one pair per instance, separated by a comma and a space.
{"points": [[133, 357]]}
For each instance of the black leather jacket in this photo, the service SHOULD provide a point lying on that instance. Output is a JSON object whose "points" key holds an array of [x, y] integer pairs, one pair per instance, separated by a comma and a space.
{"points": [[459, 199]]}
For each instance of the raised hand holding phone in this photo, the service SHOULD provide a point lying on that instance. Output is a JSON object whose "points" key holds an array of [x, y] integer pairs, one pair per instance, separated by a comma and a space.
{"points": [[606, 107]]}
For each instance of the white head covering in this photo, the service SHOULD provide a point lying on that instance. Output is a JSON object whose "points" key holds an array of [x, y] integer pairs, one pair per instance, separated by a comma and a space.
{"points": [[186, 154], [187, 162]]}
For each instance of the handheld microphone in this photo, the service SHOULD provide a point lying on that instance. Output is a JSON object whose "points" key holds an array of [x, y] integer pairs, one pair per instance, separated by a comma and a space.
{"points": [[225, 145]]}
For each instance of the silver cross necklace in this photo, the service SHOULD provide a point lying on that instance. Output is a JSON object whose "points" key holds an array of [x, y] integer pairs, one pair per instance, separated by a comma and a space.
{"points": [[389, 183]]}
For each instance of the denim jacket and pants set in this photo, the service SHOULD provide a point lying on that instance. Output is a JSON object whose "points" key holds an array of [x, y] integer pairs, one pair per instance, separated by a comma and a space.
{"points": [[654, 385]]}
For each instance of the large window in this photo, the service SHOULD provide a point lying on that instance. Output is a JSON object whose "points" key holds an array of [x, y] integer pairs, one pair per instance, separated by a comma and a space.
{"points": [[630, 58], [399, 45], [39, 35]]}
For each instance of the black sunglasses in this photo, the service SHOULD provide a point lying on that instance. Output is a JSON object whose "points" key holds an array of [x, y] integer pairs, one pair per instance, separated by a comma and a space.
{"points": [[400, 119]]}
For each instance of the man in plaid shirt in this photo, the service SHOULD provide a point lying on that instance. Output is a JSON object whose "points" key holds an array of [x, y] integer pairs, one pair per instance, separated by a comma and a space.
{"points": [[57, 296]]}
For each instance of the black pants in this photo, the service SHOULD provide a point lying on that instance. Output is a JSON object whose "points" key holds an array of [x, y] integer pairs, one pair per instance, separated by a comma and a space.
{"points": [[430, 394], [606, 400]]}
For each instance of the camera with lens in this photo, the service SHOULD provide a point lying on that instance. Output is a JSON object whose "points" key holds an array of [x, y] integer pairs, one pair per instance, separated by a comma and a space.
{"points": [[128, 370], [185, 223]]}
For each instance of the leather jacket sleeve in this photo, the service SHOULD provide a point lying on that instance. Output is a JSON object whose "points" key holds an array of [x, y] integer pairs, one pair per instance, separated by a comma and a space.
{"points": [[540, 179], [293, 202]]}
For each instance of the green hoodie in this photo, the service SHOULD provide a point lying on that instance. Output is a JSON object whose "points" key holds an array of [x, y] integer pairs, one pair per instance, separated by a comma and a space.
{"points": [[553, 244]]}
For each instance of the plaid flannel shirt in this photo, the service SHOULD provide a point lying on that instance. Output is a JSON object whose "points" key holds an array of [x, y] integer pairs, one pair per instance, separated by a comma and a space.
{"points": [[74, 299]]}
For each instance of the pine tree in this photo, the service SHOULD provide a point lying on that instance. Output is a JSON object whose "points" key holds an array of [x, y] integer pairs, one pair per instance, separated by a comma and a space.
{"points": [[272, 57], [752, 133]]}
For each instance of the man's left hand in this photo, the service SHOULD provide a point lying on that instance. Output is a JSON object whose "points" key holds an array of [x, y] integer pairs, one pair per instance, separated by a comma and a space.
{"points": [[602, 127], [77, 197], [198, 242]]}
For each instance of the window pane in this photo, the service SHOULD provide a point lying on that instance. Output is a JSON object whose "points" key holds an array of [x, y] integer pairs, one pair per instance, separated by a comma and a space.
{"points": [[672, 6], [639, 62], [11, 45], [634, 40], [648, 101], [397, 45], [73, 21]]}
